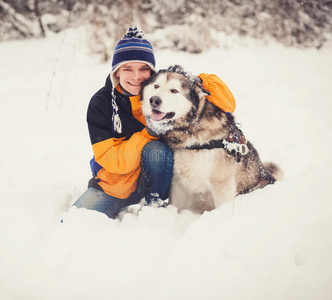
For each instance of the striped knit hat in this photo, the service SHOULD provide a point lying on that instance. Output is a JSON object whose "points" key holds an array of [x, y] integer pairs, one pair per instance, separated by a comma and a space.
{"points": [[131, 48]]}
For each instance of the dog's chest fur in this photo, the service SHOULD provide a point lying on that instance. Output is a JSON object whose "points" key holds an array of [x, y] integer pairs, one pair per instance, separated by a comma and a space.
{"points": [[194, 168]]}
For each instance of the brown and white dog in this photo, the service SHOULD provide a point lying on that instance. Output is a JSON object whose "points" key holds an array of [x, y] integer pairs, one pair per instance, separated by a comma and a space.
{"points": [[207, 168]]}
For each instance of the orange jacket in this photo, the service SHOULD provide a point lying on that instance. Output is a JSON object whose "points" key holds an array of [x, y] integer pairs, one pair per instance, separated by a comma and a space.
{"points": [[117, 157], [221, 95]]}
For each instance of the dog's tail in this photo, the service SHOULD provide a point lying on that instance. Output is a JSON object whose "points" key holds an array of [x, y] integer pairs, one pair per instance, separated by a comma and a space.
{"points": [[274, 170]]}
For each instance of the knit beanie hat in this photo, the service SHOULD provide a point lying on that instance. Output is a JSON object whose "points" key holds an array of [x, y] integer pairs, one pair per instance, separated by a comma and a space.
{"points": [[131, 48]]}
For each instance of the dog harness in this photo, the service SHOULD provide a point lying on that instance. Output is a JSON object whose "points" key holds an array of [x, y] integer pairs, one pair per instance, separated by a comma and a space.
{"points": [[235, 145]]}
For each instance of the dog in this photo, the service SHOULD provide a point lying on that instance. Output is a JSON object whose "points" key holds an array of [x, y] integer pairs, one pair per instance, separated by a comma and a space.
{"points": [[213, 163]]}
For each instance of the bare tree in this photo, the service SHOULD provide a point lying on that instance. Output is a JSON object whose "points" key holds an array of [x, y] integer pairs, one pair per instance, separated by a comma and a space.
{"points": [[38, 15], [110, 20]]}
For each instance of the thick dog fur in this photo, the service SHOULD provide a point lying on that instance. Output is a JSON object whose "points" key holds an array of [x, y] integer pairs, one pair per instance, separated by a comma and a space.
{"points": [[203, 179]]}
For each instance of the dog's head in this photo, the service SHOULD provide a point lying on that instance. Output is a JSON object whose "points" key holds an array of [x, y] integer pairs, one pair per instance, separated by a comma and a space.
{"points": [[169, 97]]}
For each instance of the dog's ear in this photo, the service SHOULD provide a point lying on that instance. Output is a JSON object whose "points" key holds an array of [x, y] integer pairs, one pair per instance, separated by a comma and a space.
{"points": [[200, 90]]}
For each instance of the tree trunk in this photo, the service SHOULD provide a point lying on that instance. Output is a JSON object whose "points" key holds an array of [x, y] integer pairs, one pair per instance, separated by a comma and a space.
{"points": [[38, 15]]}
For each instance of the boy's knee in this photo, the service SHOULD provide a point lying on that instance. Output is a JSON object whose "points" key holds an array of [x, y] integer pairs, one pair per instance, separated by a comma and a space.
{"points": [[157, 151], [155, 146]]}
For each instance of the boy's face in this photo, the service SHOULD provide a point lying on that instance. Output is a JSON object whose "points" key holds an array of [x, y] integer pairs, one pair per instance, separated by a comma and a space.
{"points": [[132, 75]]}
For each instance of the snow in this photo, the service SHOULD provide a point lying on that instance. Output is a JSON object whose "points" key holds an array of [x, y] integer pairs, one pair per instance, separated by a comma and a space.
{"points": [[274, 243]]}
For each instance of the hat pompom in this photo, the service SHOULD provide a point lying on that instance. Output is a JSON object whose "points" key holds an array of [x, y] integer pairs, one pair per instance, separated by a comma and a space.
{"points": [[134, 32]]}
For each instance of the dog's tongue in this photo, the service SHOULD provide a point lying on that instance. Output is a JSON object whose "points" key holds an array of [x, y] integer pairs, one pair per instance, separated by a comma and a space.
{"points": [[157, 115]]}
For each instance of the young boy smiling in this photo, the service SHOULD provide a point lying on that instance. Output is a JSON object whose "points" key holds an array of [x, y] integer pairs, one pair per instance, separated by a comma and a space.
{"points": [[129, 162]]}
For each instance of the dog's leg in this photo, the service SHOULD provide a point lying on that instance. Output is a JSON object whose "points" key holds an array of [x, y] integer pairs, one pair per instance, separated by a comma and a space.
{"points": [[201, 202], [223, 191], [179, 196], [182, 199]]}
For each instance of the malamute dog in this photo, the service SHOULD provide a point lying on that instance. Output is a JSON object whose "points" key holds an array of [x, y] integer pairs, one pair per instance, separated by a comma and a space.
{"points": [[206, 142]]}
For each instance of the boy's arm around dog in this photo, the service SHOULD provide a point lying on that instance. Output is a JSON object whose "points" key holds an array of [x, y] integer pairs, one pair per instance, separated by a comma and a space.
{"points": [[221, 95]]}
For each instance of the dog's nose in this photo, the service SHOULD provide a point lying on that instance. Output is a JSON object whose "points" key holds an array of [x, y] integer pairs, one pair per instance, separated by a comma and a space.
{"points": [[155, 101]]}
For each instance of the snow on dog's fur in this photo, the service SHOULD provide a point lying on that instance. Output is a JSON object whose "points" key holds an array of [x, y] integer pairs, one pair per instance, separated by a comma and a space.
{"points": [[204, 179]]}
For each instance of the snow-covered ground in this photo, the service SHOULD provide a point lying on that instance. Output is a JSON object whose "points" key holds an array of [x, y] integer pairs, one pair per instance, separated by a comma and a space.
{"points": [[274, 243]]}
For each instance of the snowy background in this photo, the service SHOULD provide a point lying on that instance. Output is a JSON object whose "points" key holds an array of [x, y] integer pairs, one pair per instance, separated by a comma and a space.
{"points": [[274, 243]]}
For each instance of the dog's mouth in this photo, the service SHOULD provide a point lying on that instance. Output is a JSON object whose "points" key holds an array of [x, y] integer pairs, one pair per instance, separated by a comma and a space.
{"points": [[157, 115]]}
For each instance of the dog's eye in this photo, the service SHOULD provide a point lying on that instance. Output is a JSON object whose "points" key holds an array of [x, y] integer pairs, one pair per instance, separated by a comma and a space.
{"points": [[156, 86], [174, 91]]}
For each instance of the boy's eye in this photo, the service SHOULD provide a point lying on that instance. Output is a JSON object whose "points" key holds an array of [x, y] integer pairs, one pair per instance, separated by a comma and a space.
{"points": [[174, 91], [156, 86]]}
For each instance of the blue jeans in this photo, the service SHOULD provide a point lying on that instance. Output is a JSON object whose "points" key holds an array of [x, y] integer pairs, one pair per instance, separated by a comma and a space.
{"points": [[153, 183]]}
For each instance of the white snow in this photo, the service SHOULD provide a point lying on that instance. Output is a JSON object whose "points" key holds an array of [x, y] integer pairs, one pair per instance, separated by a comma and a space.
{"points": [[274, 243]]}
